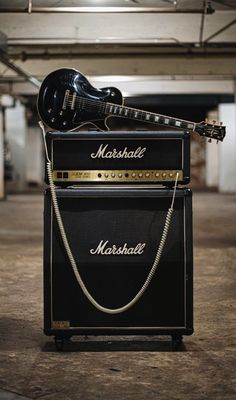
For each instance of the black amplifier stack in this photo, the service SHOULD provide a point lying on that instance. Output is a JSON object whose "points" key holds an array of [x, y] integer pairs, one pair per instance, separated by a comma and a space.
{"points": [[114, 191]]}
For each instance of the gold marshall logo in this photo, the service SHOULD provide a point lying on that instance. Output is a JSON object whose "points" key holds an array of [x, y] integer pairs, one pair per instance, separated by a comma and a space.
{"points": [[105, 250], [103, 153]]}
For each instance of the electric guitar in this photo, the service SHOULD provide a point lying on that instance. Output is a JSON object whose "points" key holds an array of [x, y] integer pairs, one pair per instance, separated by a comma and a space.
{"points": [[66, 100]]}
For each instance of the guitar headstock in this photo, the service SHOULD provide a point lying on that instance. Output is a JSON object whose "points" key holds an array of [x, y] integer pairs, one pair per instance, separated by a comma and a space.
{"points": [[211, 130]]}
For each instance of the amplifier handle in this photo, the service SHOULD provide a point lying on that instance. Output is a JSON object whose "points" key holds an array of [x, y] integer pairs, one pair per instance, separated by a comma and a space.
{"points": [[71, 257]]}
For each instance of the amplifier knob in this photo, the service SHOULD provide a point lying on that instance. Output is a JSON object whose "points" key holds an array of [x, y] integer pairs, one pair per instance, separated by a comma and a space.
{"points": [[147, 174], [106, 175], [170, 175], [157, 174], [120, 175], [113, 175], [133, 174], [164, 174], [140, 175]]}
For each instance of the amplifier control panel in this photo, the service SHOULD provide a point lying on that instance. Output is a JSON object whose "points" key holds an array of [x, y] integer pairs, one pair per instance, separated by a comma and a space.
{"points": [[90, 176]]}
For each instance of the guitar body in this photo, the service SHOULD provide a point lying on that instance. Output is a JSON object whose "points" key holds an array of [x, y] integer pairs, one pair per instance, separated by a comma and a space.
{"points": [[60, 100]]}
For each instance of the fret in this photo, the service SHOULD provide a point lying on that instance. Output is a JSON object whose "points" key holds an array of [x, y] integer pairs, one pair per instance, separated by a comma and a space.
{"points": [[172, 122], [184, 124], [161, 120]]}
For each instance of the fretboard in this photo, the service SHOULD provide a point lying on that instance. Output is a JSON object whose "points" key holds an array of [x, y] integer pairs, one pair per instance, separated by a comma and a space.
{"points": [[145, 116]]}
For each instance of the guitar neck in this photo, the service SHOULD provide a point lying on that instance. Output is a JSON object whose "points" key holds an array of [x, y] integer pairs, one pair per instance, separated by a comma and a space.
{"points": [[116, 110]]}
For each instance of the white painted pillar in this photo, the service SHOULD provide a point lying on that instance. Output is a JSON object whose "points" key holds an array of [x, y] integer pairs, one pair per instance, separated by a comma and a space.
{"points": [[212, 157], [16, 135], [35, 159], [227, 149], [2, 186]]}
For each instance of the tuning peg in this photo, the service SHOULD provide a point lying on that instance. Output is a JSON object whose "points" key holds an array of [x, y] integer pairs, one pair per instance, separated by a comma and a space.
{"points": [[206, 120], [209, 141], [217, 141], [221, 123], [213, 121]]}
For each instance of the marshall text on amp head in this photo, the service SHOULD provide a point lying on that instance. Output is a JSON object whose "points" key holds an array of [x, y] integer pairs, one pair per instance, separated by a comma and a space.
{"points": [[119, 157]]}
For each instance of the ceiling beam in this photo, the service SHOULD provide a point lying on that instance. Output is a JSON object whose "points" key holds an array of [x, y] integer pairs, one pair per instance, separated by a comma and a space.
{"points": [[220, 30], [91, 9]]}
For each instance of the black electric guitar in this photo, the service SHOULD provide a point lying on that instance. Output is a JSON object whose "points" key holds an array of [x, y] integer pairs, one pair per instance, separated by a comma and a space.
{"points": [[66, 100]]}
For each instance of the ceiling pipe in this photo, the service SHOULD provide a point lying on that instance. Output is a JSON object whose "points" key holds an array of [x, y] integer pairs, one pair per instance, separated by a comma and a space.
{"points": [[5, 60], [31, 9]]}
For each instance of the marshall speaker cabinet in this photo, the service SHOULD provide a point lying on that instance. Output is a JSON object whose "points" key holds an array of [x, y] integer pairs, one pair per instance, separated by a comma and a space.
{"points": [[119, 157], [114, 233]]}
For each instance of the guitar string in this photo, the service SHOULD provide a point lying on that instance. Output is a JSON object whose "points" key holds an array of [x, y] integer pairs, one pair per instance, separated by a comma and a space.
{"points": [[101, 107], [91, 104], [100, 104]]}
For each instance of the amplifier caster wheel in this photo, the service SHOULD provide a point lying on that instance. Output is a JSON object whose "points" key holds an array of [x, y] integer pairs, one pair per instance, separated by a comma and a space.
{"points": [[59, 343], [176, 342]]}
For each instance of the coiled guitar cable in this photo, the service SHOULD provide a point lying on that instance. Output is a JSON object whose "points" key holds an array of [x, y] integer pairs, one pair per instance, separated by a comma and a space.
{"points": [[71, 257]]}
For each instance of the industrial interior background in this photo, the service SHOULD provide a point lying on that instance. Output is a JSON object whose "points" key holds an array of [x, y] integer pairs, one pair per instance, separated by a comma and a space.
{"points": [[171, 57]]}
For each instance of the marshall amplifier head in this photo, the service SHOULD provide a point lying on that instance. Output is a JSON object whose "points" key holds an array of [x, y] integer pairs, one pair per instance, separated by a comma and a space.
{"points": [[114, 233], [119, 157]]}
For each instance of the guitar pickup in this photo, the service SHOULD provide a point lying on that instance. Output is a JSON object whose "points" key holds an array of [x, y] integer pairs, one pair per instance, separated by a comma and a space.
{"points": [[66, 98], [73, 101]]}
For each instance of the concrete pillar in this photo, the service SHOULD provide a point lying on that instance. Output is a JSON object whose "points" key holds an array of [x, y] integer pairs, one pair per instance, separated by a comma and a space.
{"points": [[35, 159], [227, 149], [16, 136], [212, 157], [2, 186]]}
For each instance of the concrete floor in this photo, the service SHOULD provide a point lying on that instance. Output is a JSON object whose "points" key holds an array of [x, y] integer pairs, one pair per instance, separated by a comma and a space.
{"points": [[30, 368]]}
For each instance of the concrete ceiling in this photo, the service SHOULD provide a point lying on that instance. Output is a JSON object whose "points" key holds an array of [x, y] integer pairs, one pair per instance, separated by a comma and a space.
{"points": [[139, 38]]}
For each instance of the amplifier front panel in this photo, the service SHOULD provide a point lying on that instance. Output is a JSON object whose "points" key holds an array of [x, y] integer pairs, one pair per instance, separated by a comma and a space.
{"points": [[119, 157], [114, 236]]}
